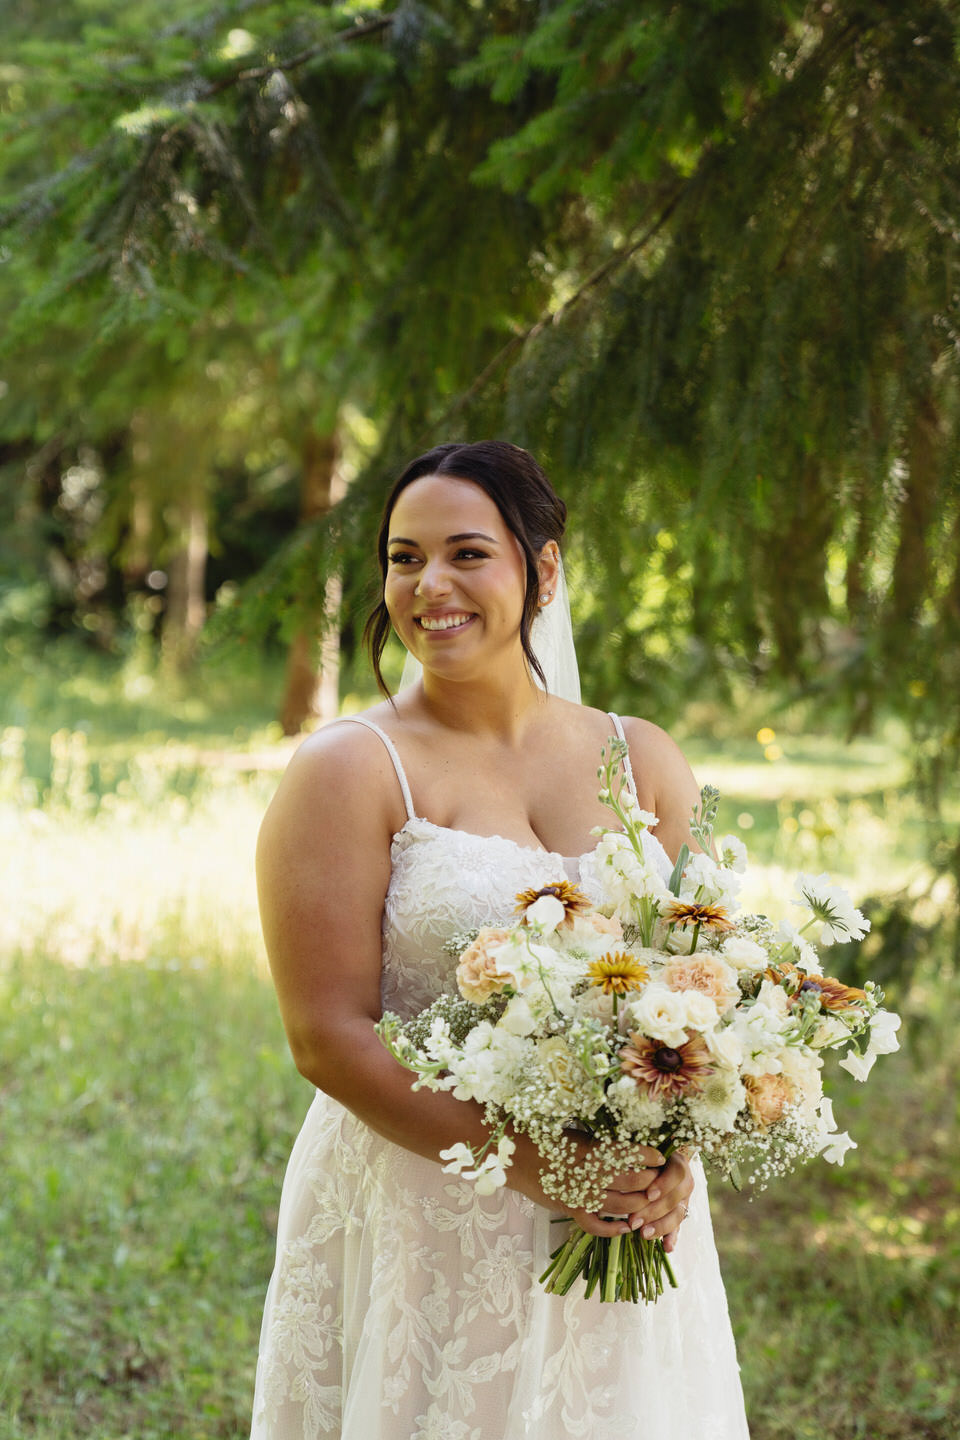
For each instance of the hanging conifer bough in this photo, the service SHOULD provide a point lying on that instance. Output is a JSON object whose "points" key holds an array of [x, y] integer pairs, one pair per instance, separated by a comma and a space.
{"points": [[702, 259]]}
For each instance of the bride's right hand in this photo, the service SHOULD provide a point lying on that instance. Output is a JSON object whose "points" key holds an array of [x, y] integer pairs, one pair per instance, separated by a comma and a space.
{"points": [[625, 1199]]}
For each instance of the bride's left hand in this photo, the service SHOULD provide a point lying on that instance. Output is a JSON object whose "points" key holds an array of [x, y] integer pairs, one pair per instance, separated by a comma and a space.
{"points": [[667, 1202]]}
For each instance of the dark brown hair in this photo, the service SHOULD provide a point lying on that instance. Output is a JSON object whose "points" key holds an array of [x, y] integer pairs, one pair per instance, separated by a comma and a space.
{"points": [[531, 510]]}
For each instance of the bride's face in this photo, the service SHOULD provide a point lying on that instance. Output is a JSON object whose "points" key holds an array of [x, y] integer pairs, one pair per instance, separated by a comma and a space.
{"points": [[456, 577]]}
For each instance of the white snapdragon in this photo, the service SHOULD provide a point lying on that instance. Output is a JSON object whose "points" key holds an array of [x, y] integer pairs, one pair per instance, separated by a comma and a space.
{"points": [[832, 908], [624, 878]]}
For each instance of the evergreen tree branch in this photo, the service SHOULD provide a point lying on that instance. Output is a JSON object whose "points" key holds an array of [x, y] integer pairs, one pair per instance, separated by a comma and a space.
{"points": [[610, 266], [263, 72]]}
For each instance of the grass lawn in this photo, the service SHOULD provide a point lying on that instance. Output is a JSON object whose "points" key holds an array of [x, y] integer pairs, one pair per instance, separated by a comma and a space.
{"points": [[148, 1103]]}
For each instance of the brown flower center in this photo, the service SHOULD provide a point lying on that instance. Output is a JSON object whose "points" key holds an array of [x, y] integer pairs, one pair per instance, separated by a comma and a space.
{"points": [[667, 1059]]}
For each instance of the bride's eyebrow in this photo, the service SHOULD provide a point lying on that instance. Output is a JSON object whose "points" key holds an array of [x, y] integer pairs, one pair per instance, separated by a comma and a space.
{"points": [[451, 539]]}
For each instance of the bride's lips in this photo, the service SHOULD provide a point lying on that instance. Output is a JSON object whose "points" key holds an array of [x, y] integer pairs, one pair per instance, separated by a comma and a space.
{"points": [[445, 623]]}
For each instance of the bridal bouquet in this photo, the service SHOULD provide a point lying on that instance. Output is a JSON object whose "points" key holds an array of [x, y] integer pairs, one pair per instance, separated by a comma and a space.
{"points": [[658, 1016]]}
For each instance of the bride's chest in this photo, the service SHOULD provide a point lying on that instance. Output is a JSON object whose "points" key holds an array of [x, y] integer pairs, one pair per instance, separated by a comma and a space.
{"points": [[444, 883]]}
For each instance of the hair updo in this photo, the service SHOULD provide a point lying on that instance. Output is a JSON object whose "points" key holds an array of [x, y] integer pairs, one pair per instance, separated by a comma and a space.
{"points": [[531, 510]]}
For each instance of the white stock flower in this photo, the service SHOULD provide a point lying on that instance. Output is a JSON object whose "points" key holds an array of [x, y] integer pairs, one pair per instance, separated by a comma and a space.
{"points": [[703, 879], [631, 808], [744, 954], [545, 914], [832, 908], [661, 1013], [733, 853], [775, 998], [760, 1031]]}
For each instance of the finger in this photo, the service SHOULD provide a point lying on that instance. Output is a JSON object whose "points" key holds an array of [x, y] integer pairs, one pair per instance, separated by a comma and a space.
{"points": [[632, 1180], [664, 1224], [604, 1225]]}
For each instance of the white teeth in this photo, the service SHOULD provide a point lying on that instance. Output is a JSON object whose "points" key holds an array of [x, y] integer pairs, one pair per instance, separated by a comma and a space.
{"points": [[442, 622]]}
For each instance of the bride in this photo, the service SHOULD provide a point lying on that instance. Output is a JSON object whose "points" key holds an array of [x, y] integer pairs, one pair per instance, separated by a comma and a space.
{"points": [[403, 1305]]}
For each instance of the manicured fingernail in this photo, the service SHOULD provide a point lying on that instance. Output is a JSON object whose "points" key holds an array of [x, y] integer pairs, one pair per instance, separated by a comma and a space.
{"points": [[649, 1231], [653, 1194]]}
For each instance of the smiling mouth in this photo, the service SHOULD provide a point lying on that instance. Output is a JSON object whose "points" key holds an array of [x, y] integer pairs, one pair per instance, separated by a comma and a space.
{"points": [[442, 622]]}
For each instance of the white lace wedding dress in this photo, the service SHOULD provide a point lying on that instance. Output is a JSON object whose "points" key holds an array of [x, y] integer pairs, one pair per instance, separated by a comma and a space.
{"points": [[404, 1306]]}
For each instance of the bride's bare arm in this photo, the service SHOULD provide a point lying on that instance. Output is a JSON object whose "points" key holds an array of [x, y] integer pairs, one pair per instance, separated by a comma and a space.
{"points": [[323, 866]]}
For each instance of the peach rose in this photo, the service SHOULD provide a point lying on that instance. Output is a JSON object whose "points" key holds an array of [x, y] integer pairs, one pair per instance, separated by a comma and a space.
{"points": [[477, 975], [707, 973], [767, 1096]]}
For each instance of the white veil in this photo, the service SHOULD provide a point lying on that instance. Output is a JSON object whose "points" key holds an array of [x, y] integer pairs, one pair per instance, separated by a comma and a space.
{"points": [[551, 639]]}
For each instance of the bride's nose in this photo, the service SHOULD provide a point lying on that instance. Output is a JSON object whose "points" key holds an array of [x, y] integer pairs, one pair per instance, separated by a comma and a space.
{"points": [[434, 580]]}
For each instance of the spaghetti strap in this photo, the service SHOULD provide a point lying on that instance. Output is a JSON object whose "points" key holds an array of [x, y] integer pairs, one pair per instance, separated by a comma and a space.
{"points": [[628, 768], [392, 752]]}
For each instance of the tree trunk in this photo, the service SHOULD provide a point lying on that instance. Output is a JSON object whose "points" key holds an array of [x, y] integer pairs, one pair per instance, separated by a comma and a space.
{"points": [[186, 606], [311, 691]]}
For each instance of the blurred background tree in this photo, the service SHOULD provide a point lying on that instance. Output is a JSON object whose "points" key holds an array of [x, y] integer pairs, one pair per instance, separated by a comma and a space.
{"points": [[700, 259]]}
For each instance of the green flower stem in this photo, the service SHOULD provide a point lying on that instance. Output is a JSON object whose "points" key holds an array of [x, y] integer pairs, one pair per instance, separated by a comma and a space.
{"points": [[611, 1283], [575, 1253]]}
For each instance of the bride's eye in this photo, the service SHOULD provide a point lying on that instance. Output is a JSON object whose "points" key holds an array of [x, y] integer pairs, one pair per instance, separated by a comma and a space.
{"points": [[471, 555], [401, 557]]}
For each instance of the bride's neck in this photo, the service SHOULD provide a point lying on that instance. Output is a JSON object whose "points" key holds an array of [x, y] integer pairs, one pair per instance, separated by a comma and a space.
{"points": [[500, 706]]}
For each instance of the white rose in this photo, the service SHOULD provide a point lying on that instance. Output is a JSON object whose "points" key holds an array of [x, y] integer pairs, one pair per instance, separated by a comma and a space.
{"points": [[545, 914], [518, 1018], [725, 1045], [744, 954], [661, 1013], [699, 1011]]}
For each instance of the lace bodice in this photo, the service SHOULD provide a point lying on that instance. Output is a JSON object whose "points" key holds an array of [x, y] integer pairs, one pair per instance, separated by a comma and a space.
{"points": [[446, 881]]}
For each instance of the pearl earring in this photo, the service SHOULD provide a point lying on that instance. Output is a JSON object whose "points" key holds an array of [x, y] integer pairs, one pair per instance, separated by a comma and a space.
{"points": [[547, 594]]}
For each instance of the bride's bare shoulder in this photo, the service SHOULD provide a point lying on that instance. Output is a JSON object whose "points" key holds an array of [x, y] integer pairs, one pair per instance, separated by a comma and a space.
{"points": [[341, 770], [665, 782]]}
